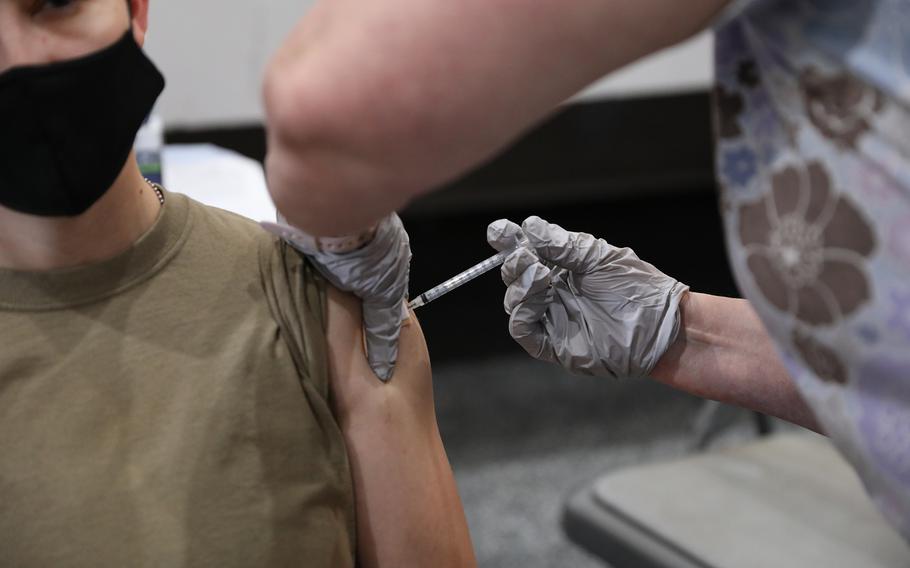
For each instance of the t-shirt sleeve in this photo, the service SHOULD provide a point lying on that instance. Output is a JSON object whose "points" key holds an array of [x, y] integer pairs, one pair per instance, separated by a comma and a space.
{"points": [[297, 294]]}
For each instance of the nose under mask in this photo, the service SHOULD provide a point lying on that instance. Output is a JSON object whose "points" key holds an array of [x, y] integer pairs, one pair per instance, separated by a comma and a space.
{"points": [[68, 127]]}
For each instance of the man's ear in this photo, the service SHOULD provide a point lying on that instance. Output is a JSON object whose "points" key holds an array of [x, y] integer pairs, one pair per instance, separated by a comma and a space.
{"points": [[139, 13]]}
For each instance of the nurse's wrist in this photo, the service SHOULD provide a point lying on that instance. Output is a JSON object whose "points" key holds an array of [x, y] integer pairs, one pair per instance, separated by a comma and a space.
{"points": [[313, 244]]}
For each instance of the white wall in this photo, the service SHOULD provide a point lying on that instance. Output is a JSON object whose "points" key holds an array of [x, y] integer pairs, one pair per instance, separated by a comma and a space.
{"points": [[686, 67], [213, 54]]}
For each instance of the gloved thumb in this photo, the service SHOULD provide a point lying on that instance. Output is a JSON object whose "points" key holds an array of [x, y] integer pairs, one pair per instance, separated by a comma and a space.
{"points": [[526, 322], [576, 252], [522, 272], [382, 329], [503, 234]]}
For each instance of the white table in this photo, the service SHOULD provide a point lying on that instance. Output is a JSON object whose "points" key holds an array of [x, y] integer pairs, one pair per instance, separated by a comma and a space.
{"points": [[218, 177]]}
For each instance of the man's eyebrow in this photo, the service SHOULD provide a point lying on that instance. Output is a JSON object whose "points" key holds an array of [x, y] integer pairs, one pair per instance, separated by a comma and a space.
{"points": [[30, 5]]}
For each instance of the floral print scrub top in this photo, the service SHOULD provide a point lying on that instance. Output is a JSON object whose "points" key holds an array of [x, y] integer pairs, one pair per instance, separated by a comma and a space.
{"points": [[812, 119]]}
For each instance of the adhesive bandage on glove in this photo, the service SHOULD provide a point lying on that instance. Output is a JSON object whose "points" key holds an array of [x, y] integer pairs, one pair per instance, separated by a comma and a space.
{"points": [[376, 272], [578, 301]]}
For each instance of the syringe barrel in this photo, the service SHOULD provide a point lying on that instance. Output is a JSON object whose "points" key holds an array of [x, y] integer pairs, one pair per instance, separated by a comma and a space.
{"points": [[464, 277]]}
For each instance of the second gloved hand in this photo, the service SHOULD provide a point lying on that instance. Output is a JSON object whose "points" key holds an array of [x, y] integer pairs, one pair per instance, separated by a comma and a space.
{"points": [[578, 301]]}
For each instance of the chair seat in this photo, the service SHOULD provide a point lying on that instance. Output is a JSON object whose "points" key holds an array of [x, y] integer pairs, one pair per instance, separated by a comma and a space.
{"points": [[784, 501]]}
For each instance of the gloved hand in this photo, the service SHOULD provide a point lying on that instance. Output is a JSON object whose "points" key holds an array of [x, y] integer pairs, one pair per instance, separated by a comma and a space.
{"points": [[578, 301], [377, 273]]}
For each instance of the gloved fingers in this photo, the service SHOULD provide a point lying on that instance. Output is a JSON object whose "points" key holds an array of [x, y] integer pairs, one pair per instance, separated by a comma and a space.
{"points": [[504, 235], [533, 280], [577, 252], [527, 328], [382, 329], [378, 271], [388, 250], [516, 264]]}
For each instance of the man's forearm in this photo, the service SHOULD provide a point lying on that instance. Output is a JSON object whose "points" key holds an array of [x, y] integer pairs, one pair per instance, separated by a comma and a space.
{"points": [[724, 353], [368, 104]]}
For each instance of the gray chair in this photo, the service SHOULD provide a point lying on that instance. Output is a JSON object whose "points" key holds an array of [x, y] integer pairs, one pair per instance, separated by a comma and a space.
{"points": [[788, 500]]}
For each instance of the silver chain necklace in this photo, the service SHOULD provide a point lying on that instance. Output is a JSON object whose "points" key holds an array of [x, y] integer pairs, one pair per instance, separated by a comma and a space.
{"points": [[157, 190]]}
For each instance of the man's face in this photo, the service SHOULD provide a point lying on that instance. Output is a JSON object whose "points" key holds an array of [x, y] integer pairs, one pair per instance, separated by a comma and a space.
{"points": [[33, 32]]}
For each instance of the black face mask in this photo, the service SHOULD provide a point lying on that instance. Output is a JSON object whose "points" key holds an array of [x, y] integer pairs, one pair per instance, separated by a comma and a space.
{"points": [[67, 128]]}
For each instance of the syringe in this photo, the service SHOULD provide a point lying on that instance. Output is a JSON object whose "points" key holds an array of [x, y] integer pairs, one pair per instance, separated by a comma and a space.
{"points": [[463, 278]]}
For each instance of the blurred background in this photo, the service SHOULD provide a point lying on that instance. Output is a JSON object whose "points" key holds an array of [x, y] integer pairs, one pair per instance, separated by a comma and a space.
{"points": [[630, 160]]}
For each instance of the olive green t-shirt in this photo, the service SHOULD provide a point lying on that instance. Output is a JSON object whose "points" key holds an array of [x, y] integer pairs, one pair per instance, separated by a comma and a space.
{"points": [[169, 407]]}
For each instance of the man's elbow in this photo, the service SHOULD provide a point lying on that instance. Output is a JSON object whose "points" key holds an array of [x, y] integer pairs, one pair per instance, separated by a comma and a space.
{"points": [[327, 193], [297, 148], [324, 173]]}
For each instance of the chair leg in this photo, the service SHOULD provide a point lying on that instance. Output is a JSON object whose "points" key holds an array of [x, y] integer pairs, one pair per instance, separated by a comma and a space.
{"points": [[703, 425], [762, 424]]}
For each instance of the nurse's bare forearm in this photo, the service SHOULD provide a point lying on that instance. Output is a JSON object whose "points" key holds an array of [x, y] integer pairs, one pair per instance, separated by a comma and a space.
{"points": [[371, 103], [724, 353]]}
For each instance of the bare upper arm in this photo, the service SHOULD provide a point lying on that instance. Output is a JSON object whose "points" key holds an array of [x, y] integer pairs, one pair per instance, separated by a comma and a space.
{"points": [[354, 386], [408, 509]]}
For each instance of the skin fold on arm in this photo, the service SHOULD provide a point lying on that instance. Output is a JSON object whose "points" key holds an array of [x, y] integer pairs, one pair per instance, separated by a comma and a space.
{"points": [[723, 353], [408, 509], [373, 103]]}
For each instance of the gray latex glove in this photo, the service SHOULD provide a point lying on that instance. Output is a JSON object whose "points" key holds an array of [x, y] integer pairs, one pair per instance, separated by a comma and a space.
{"points": [[578, 301], [377, 273]]}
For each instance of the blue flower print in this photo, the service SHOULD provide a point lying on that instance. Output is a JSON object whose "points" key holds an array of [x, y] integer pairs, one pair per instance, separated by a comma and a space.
{"points": [[868, 334], [739, 166], [884, 421], [900, 318]]}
